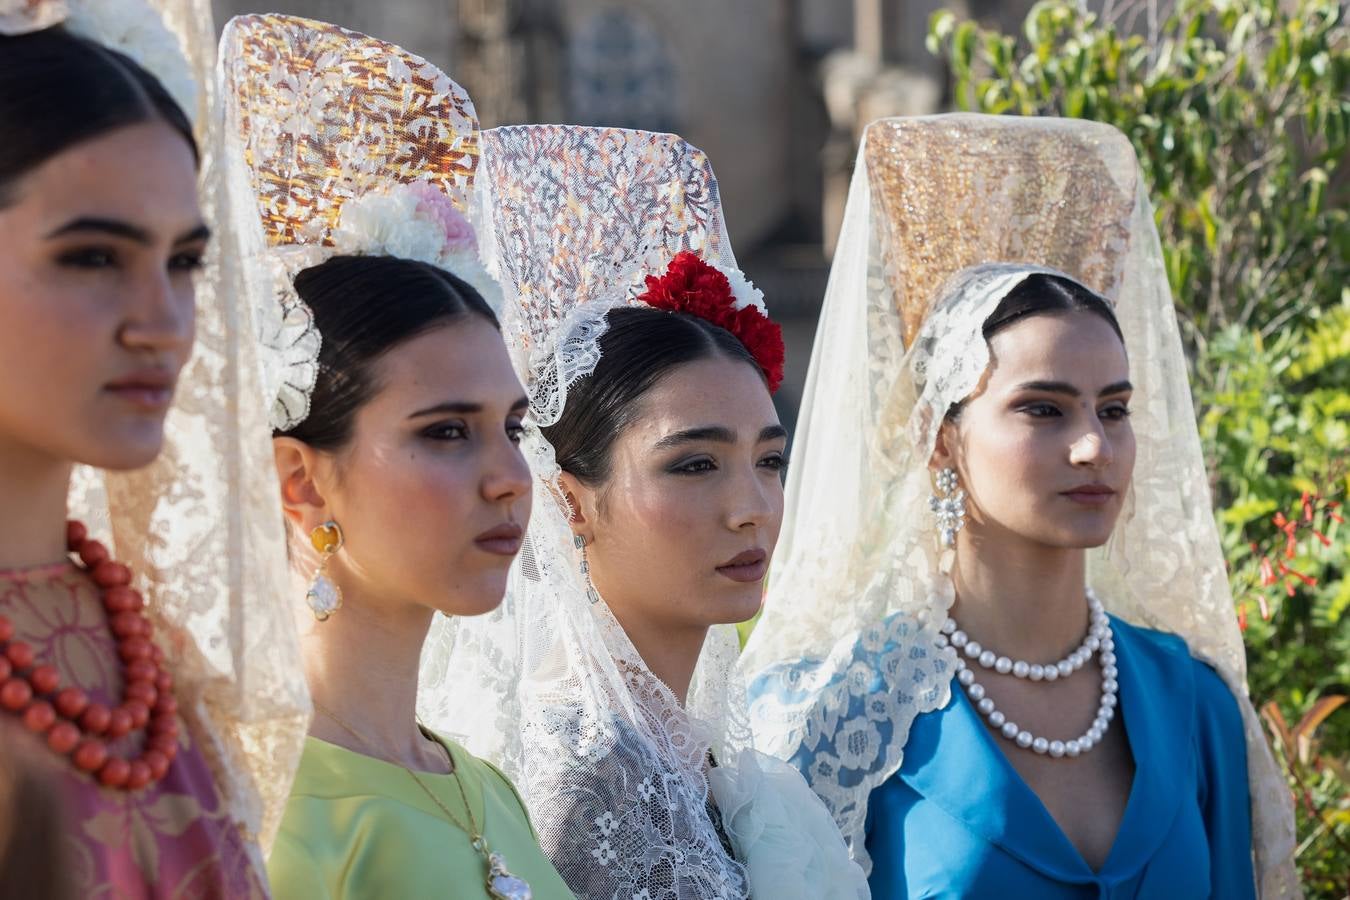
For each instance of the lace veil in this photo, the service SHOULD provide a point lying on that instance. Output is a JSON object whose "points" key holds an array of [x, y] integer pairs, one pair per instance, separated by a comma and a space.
{"points": [[613, 768], [549, 685], [201, 526], [844, 653]]}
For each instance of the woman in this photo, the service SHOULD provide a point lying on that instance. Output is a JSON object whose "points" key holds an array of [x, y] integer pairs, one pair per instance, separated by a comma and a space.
{"points": [[397, 424], [157, 729], [1036, 686], [603, 685]]}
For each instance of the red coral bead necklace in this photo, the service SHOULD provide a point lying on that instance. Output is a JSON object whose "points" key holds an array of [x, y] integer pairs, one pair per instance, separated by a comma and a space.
{"points": [[72, 725]]}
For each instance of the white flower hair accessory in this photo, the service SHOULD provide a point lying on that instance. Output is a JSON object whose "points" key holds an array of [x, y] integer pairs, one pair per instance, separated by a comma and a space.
{"points": [[416, 221], [743, 289]]}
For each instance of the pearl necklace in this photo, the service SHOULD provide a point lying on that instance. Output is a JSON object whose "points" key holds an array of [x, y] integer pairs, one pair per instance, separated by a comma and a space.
{"points": [[1098, 639]]}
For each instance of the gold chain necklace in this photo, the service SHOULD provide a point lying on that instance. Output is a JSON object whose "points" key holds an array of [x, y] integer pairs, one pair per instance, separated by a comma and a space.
{"points": [[500, 883]]}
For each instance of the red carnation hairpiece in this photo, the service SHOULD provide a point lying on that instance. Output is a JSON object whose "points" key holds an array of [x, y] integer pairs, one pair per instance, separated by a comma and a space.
{"points": [[691, 285]]}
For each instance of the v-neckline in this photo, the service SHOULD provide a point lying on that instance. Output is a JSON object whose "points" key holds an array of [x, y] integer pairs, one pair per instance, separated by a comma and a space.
{"points": [[1122, 720], [953, 760]]}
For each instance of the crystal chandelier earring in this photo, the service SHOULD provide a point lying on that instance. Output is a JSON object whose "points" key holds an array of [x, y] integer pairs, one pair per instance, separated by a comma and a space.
{"points": [[324, 596], [579, 541], [949, 506]]}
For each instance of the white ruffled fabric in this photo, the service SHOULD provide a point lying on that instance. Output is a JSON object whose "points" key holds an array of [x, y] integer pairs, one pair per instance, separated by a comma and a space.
{"points": [[783, 833]]}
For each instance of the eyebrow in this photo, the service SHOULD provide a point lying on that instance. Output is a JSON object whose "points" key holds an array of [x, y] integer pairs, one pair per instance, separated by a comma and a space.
{"points": [[717, 434], [1063, 387], [463, 409], [116, 228]]}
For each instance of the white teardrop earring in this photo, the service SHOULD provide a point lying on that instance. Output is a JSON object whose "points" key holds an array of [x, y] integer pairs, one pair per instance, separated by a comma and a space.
{"points": [[949, 506], [324, 596]]}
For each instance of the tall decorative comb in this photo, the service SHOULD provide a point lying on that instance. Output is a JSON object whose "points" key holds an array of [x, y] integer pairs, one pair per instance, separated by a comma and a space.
{"points": [[957, 190]]}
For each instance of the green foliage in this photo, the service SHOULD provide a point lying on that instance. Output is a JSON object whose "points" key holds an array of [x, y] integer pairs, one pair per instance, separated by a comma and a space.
{"points": [[1239, 111]]}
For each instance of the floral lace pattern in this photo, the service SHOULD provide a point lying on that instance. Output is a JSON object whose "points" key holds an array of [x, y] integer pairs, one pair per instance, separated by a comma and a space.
{"points": [[614, 770], [851, 529], [322, 120], [627, 202]]}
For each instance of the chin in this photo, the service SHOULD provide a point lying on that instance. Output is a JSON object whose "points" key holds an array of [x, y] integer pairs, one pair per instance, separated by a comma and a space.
{"points": [[476, 599], [738, 606], [130, 449]]}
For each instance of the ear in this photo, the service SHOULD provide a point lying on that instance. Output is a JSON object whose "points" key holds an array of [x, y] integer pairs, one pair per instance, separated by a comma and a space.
{"points": [[301, 499], [944, 449], [581, 501]]}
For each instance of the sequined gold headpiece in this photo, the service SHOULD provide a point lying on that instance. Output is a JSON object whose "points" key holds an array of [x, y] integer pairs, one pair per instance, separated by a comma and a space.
{"points": [[352, 146], [326, 115], [957, 190]]}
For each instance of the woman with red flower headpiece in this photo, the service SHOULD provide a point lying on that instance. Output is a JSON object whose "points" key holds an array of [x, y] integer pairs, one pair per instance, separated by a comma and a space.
{"points": [[605, 687]]}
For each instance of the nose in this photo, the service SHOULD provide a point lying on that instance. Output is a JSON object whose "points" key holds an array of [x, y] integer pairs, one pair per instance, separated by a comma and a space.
{"points": [[1092, 449], [507, 475], [754, 500], [162, 318]]}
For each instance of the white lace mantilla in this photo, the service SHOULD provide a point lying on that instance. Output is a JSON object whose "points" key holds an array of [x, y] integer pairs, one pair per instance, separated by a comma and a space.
{"points": [[617, 774]]}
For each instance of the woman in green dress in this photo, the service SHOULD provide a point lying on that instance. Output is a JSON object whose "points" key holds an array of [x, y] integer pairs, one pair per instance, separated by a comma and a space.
{"points": [[396, 430]]}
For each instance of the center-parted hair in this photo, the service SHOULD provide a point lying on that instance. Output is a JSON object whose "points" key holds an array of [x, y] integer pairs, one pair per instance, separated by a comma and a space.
{"points": [[58, 90]]}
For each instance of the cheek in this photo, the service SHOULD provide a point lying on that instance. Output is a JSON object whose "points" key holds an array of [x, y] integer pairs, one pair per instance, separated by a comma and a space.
{"points": [[417, 502], [1006, 455], [652, 525], [60, 345]]}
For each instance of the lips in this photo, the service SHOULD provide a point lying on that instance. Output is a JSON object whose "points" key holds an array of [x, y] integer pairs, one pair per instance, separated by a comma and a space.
{"points": [[1090, 494], [504, 540], [748, 567], [150, 390]]}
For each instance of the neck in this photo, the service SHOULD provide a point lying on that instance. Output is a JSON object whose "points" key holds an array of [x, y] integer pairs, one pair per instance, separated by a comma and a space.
{"points": [[34, 487], [670, 652], [1020, 599], [361, 665]]}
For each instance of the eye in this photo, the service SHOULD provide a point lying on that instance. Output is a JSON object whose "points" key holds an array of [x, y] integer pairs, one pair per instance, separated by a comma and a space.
{"points": [[187, 262], [695, 467], [516, 431], [446, 431], [1040, 410], [775, 462], [88, 258], [1116, 412]]}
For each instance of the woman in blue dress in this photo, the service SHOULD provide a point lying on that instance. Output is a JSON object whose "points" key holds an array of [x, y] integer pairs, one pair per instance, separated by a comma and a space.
{"points": [[998, 639]]}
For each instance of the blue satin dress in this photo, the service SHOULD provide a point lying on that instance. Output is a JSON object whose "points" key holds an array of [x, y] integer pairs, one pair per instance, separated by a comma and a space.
{"points": [[958, 821]]}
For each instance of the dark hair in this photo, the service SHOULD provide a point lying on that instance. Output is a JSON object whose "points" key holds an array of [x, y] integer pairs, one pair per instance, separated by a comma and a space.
{"points": [[58, 90], [641, 345], [1043, 294], [364, 307]]}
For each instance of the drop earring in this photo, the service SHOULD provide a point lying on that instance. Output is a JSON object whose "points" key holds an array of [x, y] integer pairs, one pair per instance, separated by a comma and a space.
{"points": [[579, 541], [949, 506], [324, 596]]}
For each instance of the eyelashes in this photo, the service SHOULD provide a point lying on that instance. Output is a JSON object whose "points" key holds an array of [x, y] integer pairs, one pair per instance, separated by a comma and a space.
{"points": [[97, 258], [776, 463], [458, 431], [1050, 411]]}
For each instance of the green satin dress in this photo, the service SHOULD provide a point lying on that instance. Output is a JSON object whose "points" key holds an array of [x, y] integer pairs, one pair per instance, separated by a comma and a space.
{"points": [[357, 827]]}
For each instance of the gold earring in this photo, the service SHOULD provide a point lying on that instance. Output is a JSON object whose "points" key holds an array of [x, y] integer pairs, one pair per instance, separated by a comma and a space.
{"points": [[324, 596]]}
